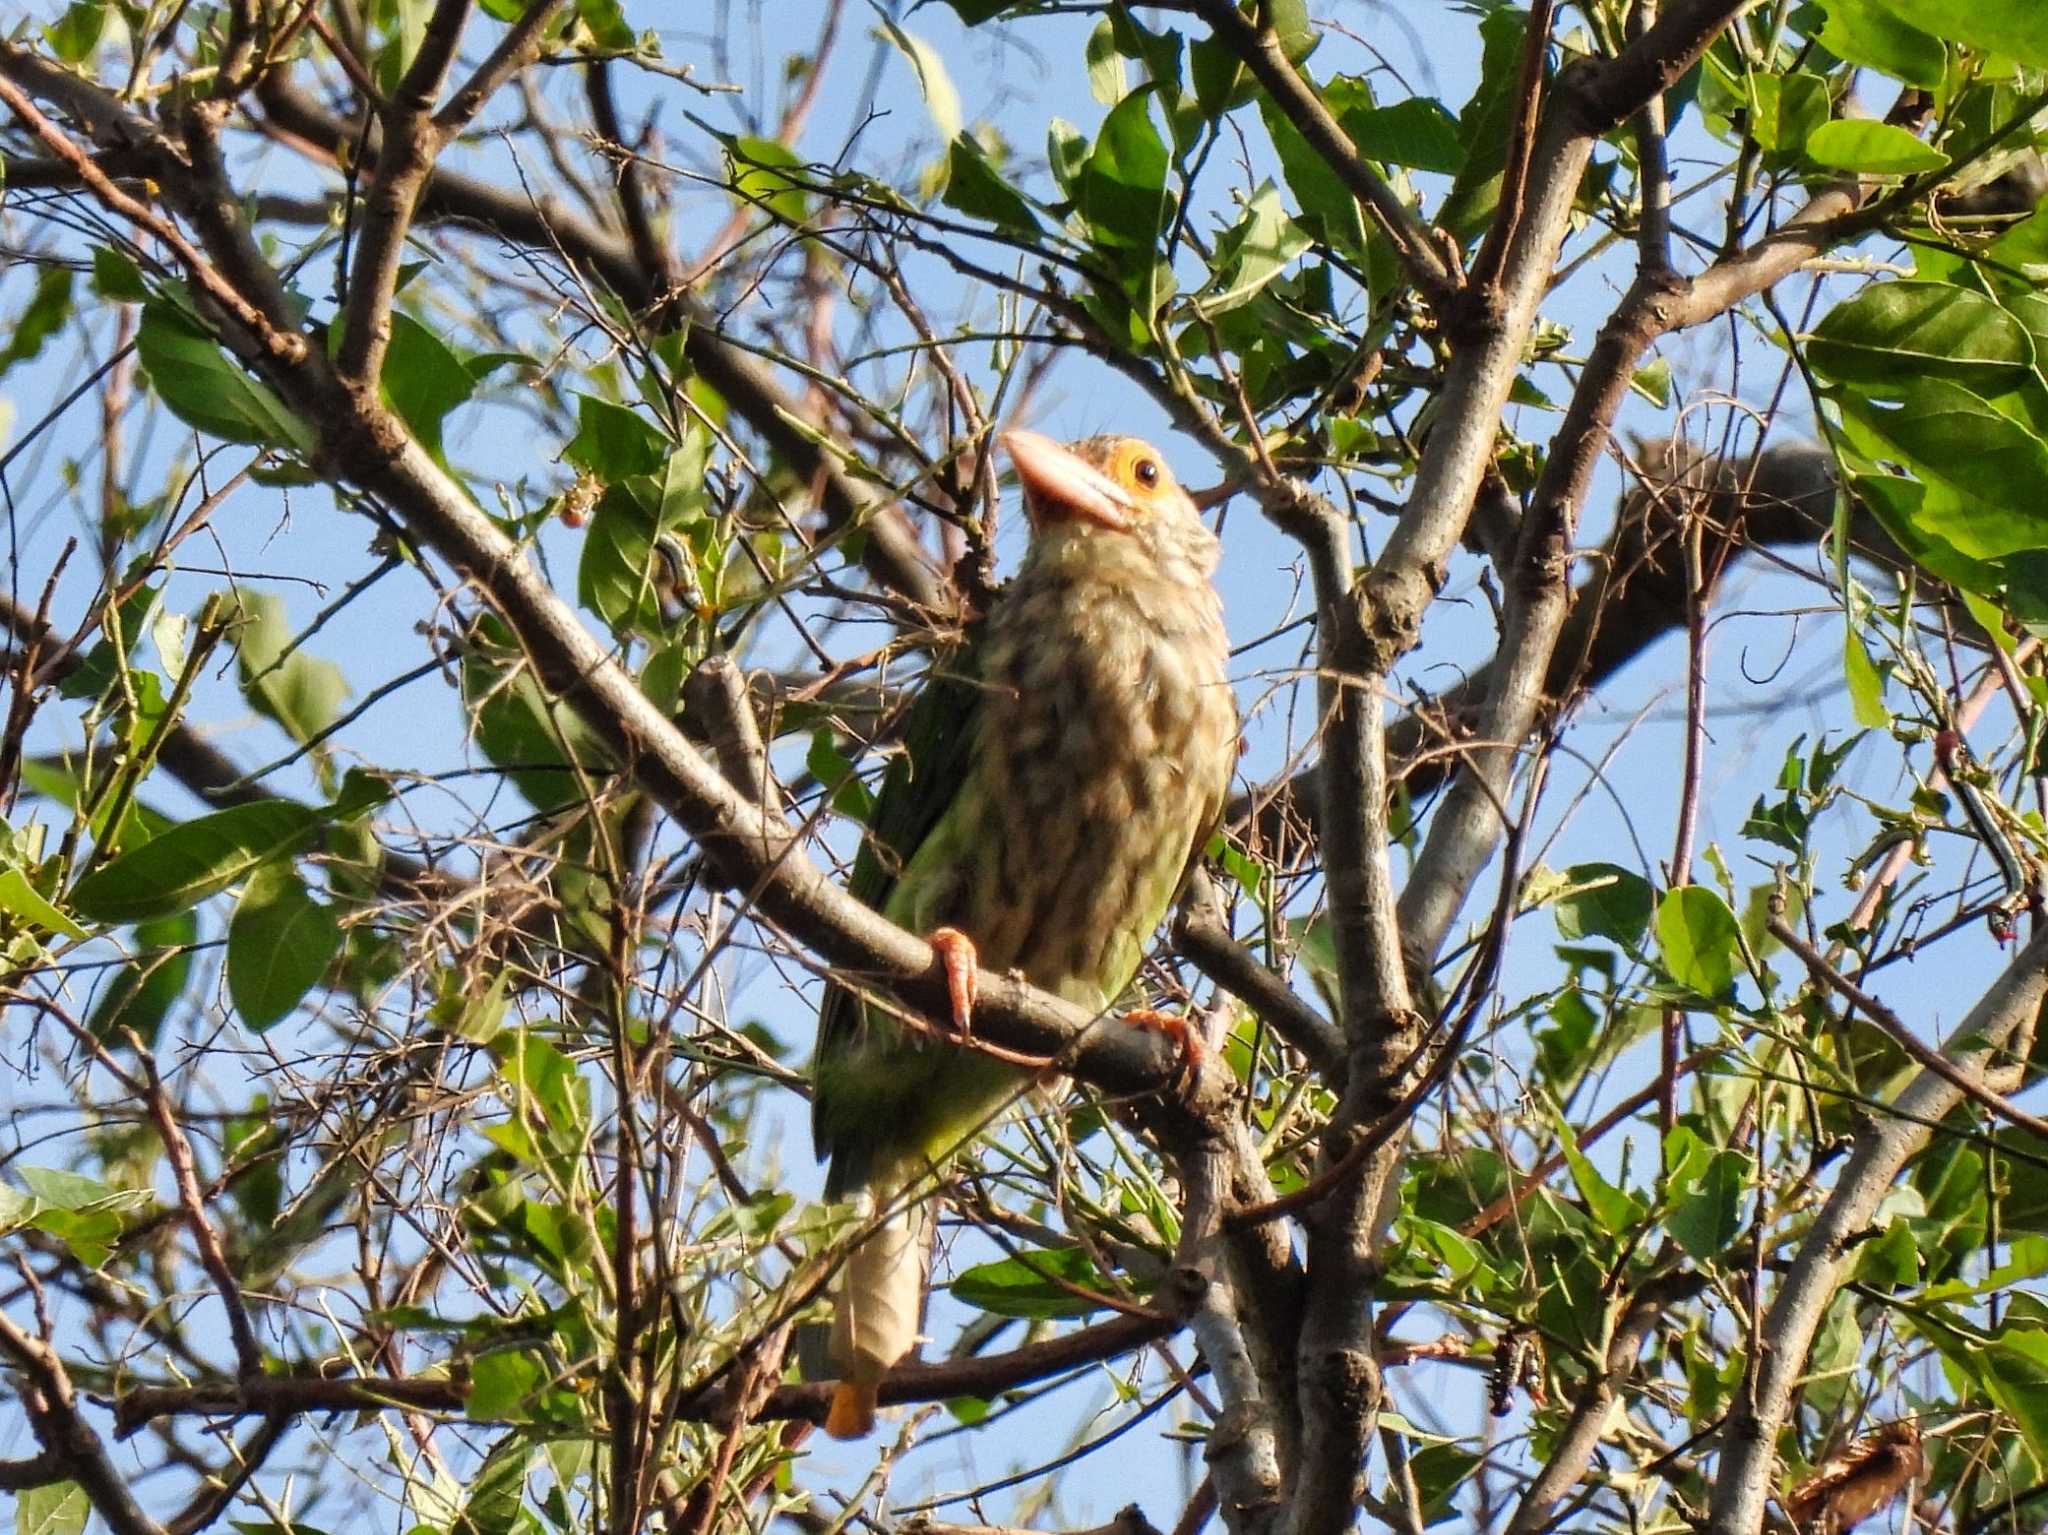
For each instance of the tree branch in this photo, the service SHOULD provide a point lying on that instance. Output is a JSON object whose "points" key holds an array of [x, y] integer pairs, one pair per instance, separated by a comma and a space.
{"points": [[892, 555], [53, 1413], [1259, 49], [1881, 1151]]}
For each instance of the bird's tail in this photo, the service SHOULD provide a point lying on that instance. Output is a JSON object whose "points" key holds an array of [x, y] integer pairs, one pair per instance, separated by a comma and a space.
{"points": [[875, 1315]]}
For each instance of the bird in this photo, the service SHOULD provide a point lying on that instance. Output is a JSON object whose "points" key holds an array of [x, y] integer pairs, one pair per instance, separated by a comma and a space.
{"points": [[1061, 773]]}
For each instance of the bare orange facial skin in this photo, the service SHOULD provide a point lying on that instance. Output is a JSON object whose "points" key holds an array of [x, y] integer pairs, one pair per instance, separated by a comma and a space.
{"points": [[1113, 482]]}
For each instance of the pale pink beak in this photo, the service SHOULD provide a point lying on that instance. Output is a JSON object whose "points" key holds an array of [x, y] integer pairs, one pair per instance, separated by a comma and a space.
{"points": [[1060, 486]]}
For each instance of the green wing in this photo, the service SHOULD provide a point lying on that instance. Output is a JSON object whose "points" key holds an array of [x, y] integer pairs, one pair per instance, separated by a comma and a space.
{"points": [[938, 747]]}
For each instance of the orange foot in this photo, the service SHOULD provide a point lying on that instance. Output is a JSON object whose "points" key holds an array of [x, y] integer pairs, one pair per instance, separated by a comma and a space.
{"points": [[962, 965], [1187, 1041]]}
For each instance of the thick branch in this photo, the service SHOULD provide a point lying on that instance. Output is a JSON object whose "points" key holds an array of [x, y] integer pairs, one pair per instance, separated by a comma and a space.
{"points": [[983, 1377], [53, 1415], [410, 143], [1825, 1257]]}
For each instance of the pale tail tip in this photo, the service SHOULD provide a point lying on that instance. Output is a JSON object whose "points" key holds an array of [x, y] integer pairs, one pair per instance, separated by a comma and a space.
{"points": [[852, 1415]]}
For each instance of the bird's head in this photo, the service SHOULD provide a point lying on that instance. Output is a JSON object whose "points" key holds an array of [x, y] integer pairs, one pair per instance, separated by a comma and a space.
{"points": [[1114, 488]]}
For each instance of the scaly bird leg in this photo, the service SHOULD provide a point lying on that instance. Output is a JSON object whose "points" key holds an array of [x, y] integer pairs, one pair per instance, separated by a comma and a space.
{"points": [[962, 966], [1187, 1041]]}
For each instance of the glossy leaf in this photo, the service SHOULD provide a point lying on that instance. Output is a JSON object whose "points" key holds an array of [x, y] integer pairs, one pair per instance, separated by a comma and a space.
{"points": [[424, 380], [1123, 185], [56, 1508], [1604, 900], [1696, 934], [976, 188], [19, 898], [49, 306], [2017, 29], [192, 861], [1874, 149], [1254, 251], [1033, 1285], [1948, 435], [613, 442], [205, 388], [300, 691], [1866, 32], [1417, 133], [280, 944], [1707, 1217], [1894, 331]]}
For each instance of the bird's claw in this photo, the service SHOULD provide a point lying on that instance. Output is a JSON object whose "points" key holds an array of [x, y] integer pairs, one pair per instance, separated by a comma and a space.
{"points": [[957, 957], [1187, 1042]]}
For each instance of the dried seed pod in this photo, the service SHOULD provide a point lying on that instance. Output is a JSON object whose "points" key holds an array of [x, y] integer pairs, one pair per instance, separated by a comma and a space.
{"points": [[1861, 1482]]}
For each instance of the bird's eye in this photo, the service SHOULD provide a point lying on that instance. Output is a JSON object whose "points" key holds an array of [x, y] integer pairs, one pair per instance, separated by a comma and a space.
{"points": [[1147, 473]]}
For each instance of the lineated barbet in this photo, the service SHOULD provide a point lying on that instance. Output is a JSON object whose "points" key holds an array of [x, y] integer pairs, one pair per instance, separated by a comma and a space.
{"points": [[1059, 773]]}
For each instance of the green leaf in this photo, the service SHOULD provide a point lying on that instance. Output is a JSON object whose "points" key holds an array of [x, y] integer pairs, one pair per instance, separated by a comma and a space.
{"points": [[59, 1508], [1875, 149], [1786, 110], [64, 1190], [1892, 332], [758, 170], [49, 306], [301, 692], [423, 380], [1030, 1284], [1440, 1471], [1222, 83], [1653, 383], [835, 772], [2018, 29], [1107, 81], [117, 278], [1866, 684], [1913, 514], [625, 570], [142, 993], [520, 727], [1327, 208], [1864, 32], [280, 943], [206, 389], [192, 861], [1614, 1211], [21, 899], [1706, 1215], [620, 576], [1066, 152], [1696, 933], [496, 1492], [1604, 900], [612, 442], [76, 34], [2016, 1373], [1418, 133], [1254, 251], [975, 188], [1123, 186], [1948, 435], [502, 1384], [940, 99]]}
